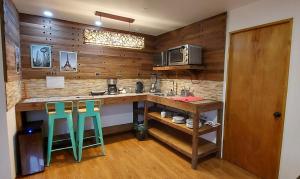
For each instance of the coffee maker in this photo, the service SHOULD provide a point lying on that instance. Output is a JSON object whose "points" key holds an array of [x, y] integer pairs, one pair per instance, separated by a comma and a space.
{"points": [[155, 84], [139, 87], [112, 86]]}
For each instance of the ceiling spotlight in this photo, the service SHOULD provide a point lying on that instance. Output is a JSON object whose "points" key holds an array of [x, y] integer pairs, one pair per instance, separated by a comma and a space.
{"points": [[98, 23], [48, 13]]}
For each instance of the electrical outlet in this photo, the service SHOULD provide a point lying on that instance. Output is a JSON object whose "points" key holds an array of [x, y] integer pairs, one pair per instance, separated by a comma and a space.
{"points": [[118, 74]]}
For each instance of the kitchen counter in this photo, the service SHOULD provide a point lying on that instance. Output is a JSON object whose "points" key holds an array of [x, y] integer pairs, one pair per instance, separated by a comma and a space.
{"points": [[32, 104], [35, 104], [192, 149], [76, 98]]}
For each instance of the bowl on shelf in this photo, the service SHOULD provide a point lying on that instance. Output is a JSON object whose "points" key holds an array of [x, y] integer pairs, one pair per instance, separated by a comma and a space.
{"points": [[189, 123], [178, 119]]}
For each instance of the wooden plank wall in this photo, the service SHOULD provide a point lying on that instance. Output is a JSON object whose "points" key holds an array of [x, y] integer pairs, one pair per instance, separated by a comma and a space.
{"points": [[92, 59], [210, 34], [10, 41]]}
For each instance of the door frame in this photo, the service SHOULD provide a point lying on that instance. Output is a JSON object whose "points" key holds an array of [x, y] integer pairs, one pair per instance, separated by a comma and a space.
{"points": [[228, 82]]}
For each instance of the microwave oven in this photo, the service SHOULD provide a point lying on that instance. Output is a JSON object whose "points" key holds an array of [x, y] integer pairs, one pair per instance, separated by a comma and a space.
{"points": [[185, 55]]}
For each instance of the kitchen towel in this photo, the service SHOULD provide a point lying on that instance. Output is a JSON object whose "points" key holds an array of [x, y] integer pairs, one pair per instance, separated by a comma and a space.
{"points": [[188, 98]]}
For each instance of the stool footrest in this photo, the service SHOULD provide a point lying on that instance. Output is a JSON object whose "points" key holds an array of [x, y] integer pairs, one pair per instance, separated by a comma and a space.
{"points": [[91, 145], [89, 137], [64, 148], [60, 140]]}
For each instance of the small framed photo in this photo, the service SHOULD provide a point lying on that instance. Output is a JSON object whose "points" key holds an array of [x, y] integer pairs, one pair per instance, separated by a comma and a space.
{"points": [[68, 61], [18, 59], [40, 56]]}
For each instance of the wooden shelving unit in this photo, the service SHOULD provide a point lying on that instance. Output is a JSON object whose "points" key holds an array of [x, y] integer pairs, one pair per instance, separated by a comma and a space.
{"points": [[168, 121], [183, 146], [179, 67], [178, 136]]}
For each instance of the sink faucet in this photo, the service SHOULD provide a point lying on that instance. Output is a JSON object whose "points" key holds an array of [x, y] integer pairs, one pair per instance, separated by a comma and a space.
{"points": [[173, 91], [175, 85]]}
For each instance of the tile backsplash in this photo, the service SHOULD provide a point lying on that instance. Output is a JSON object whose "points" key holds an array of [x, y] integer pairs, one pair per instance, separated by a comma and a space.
{"points": [[203, 88], [37, 87]]}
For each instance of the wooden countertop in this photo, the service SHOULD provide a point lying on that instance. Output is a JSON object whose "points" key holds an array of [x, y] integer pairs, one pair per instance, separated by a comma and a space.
{"points": [[77, 98], [202, 106], [32, 104]]}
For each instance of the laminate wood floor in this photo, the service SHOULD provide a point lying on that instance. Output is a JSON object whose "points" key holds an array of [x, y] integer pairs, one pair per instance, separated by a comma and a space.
{"points": [[126, 157]]}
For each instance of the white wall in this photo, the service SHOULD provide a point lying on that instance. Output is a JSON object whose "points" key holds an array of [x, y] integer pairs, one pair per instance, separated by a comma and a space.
{"points": [[12, 138], [262, 12], [211, 116], [6, 170]]}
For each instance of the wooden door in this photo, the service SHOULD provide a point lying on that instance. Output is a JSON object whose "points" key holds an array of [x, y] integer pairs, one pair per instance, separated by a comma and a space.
{"points": [[257, 86]]}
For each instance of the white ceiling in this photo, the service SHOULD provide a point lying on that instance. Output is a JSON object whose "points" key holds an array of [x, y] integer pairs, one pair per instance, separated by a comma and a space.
{"points": [[153, 17]]}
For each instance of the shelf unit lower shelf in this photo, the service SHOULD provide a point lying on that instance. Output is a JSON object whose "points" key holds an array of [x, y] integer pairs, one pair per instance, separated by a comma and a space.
{"points": [[182, 145], [181, 127]]}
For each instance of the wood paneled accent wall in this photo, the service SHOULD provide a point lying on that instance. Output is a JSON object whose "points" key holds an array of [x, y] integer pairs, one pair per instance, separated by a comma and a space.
{"points": [[209, 34], [119, 62], [93, 61], [11, 40]]}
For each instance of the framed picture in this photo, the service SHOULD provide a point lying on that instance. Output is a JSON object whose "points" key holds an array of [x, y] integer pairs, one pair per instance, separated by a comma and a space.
{"points": [[18, 59], [40, 56], [68, 61]]}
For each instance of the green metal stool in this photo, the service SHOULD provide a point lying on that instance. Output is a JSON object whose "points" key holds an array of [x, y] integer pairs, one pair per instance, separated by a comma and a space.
{"points": [[92, 109], [59, 112]]}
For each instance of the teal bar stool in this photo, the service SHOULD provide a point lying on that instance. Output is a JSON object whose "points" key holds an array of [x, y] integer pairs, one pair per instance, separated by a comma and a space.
{"points": [[59, 112], [89, 108]]}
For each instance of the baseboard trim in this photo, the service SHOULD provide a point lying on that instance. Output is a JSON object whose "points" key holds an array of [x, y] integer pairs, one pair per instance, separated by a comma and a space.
{"points": [[117, 129]]}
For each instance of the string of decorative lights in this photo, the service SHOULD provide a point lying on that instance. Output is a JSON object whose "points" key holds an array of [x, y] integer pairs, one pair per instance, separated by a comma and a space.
{"points": [[113, 39]]}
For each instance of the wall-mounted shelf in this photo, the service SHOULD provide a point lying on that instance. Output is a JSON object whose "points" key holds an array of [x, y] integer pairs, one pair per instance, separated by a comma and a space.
{"points": [[179, 67]]}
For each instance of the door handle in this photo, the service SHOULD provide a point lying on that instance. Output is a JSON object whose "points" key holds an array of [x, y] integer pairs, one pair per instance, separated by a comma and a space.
{"points": [[277, 115]]}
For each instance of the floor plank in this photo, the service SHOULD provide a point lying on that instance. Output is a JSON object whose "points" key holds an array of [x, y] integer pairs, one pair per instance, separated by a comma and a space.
{"points": [[126, 157]]}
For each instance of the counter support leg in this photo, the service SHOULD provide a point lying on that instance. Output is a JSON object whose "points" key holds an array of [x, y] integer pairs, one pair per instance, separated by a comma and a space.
{"points": [[195, 140], [145, 114], [19, 121], [219, 132]]}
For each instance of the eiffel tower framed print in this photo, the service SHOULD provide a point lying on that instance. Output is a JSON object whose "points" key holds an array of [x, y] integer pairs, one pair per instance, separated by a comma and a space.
{"points": [[68, 61]]}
